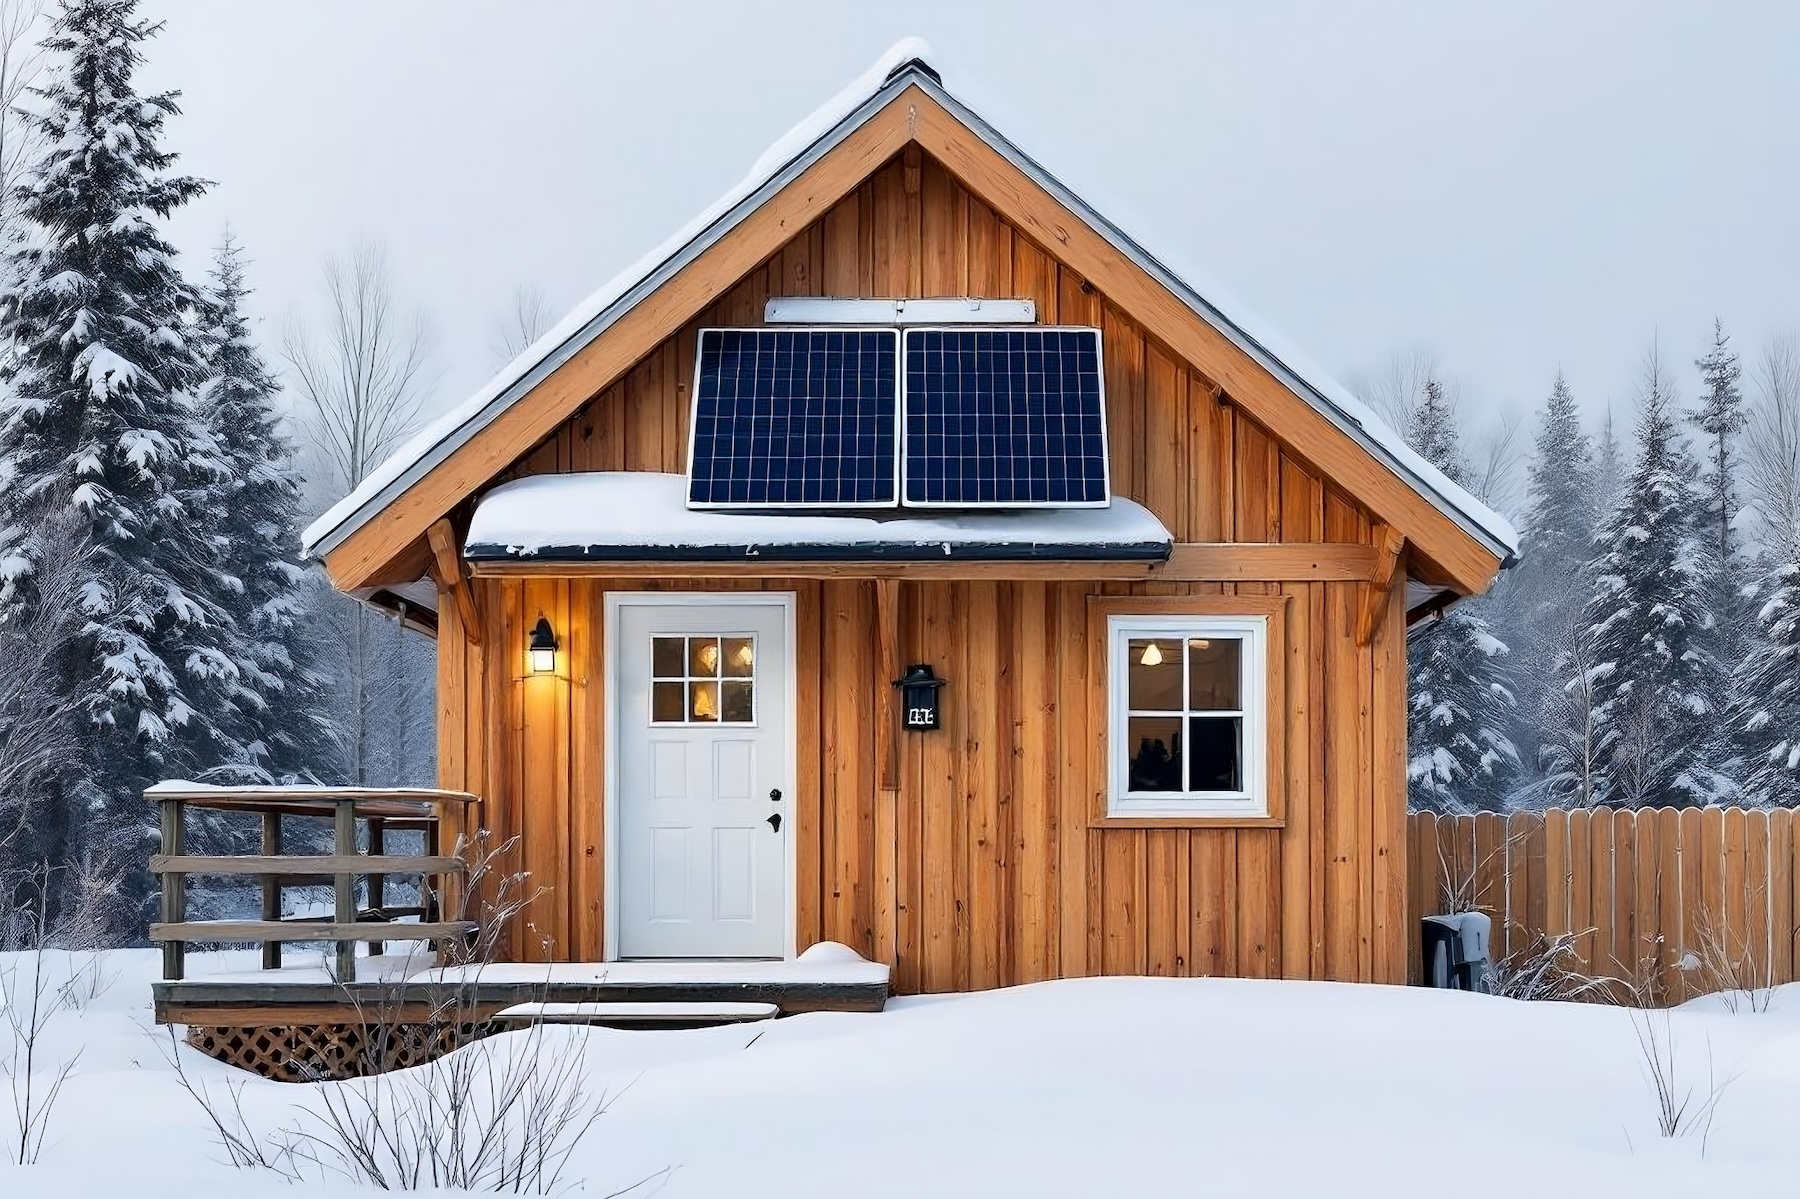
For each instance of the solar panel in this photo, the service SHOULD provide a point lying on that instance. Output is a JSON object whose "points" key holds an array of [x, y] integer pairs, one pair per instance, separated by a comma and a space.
{"points": [[1004, 418], [800, 418]]}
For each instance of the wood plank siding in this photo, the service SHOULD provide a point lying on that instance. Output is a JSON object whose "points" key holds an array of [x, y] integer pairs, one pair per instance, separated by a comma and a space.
{"points": [[976, 856]]}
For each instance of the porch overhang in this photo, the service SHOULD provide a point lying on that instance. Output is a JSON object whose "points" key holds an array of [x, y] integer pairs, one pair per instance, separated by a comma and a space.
{"points": [[640, 517]]}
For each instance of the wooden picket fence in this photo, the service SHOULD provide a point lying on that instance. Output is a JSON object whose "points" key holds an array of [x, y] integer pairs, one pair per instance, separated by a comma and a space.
{"points": [[1667, 903]]}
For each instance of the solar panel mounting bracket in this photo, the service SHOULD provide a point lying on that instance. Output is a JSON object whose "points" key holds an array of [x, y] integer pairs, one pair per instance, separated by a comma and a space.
{"points": [[837, 310]]}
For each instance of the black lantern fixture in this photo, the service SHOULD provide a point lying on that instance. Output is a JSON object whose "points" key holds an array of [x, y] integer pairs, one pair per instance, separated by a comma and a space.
{"points": [[543, 647], [919, 697]]}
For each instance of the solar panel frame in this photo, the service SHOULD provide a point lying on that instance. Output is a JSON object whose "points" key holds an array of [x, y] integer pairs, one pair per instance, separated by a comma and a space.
{"points": [[1105, 455], [784, 504]]}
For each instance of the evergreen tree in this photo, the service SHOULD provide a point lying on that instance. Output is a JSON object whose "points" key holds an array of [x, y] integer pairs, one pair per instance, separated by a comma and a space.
{"points": [[256, 502], [1609, 473], [1653, 680], [98, 417], [1555, 736], [1721, 418], [1559, 525], [1459, 710], [1768, 723]]}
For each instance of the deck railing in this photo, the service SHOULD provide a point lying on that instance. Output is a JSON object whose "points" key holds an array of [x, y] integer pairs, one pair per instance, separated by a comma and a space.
{"points": [[379, 810]]}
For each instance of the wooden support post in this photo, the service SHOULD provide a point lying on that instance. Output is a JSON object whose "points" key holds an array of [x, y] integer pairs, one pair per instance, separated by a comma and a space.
{"points": [[1389, 545], [435, 893], [174, 888], [378, 882], [271, 887], [345, 908], [887, 769], [887, 696]]}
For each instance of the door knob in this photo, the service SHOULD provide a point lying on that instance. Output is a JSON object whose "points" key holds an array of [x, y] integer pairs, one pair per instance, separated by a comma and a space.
{"points": [[775, 795], [775, 821]]}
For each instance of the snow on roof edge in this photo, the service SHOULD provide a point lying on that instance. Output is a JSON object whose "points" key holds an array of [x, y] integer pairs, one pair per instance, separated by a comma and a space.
{"points": [[559, 515], [812, 136]]}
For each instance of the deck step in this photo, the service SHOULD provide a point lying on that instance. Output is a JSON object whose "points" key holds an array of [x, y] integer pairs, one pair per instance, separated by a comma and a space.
{"points": [[636, 1014]]}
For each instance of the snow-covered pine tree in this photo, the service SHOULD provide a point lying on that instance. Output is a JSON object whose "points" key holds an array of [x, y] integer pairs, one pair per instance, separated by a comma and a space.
{"points": [[1459, 707], [1609, 472], [1559, 525], [97, 415], [1654, 681], [1731, 614], [1551, 583], [1768, 722], [256, 503]]}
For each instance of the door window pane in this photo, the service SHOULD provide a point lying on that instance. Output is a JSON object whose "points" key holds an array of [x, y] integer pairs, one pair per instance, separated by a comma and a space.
{"points": [[703, 657], [740, 657], [738, 700], [666, 657], [666, 704], [703, 702]]}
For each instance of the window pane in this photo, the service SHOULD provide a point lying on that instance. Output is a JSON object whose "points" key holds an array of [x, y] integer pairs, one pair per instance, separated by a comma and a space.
{"points": [[1215, 756], [1155, 743], [1154, 666], [740, 656], [666, 703], [739, 700], [666, 655], [703, 657], [703, 701], [1214, 665]]}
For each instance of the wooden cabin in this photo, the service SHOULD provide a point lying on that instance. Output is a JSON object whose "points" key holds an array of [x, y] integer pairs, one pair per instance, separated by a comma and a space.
{"points": [[1170, 735]]}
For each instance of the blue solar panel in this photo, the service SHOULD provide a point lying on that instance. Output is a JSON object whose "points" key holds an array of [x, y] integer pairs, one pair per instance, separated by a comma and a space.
{"points": [[1004, 418], [795, 418]]}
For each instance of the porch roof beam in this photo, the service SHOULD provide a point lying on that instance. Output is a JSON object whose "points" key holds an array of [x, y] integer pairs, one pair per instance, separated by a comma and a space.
{"points": [[1189, 562]]}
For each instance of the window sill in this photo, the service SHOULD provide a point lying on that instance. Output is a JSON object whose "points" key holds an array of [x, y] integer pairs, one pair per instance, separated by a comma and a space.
{"points": [[1196, 820]]}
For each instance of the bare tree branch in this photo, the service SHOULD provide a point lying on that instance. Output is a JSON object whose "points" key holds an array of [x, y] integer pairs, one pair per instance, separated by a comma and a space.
{"points": [[526, 319], [360, 378], [21, 62], [40, 718], [1772, 447]]}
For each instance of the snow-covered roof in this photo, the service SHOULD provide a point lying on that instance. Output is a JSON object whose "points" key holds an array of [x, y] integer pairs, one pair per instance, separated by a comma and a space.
{"points": [[638, 516], [903, 65]]}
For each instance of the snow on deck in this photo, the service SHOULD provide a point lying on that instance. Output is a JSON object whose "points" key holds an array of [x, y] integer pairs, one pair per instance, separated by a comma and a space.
{"points": [[624, 515], [824, 964]]}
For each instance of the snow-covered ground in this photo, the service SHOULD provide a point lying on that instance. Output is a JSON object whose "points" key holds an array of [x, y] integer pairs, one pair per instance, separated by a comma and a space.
{"points": [[1099, 1087]]}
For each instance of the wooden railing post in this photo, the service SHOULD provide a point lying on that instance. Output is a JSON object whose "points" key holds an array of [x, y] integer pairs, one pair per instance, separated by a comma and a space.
{"points": [[377, 882], [345, 912], [174, 889], [271, 887]]}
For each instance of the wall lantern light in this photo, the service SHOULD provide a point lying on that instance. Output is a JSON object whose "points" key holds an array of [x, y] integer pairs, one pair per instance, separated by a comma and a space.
{"points": [[543, 647], [919, 697]]}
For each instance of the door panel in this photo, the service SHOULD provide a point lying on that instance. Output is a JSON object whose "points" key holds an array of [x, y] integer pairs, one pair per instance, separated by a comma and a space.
{"points": [[703, 735]]}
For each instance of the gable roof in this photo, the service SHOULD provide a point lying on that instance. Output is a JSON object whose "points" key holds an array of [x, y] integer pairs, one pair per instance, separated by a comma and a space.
{"points": [[902, 67]]}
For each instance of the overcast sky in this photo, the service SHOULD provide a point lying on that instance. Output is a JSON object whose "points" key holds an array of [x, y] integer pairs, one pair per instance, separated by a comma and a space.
{"points": [[1512, 186]]}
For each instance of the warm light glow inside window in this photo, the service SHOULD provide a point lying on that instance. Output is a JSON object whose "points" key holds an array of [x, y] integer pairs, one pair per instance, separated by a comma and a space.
{"points": [[1187, 715], [703, 680]]}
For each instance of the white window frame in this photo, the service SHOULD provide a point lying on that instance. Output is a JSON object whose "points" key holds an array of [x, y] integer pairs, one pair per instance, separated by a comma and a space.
{"points": [[1253, 799]]}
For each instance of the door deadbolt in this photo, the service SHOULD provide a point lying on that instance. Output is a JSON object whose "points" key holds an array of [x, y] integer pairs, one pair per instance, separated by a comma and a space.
{"points": [[775, 795]]}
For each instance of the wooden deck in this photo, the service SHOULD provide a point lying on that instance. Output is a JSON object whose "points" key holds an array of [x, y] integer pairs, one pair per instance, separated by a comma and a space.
{"points": [[302, 996]]}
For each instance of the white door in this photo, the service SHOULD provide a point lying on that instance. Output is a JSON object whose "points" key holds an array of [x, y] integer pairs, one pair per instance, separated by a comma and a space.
{"points": [[703, 742]]}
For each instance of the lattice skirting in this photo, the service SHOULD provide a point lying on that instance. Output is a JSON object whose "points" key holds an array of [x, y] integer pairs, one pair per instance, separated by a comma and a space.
{"points": [[314, 1052]]}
